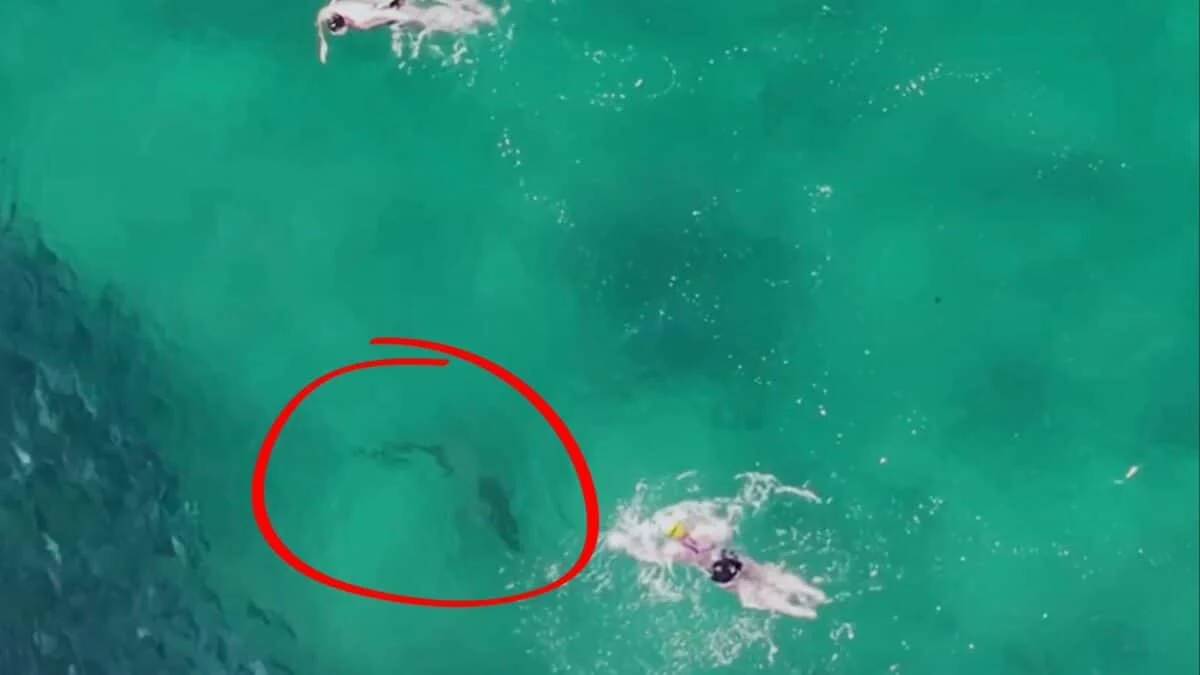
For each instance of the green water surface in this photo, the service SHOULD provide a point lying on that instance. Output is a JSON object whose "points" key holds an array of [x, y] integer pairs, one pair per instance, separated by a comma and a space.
{"points": [[936, 259]]}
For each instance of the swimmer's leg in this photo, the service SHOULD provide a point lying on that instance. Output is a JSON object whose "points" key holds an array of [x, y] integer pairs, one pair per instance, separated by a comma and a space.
{"points": [[796, 610], [789, 583], [755, 596]]}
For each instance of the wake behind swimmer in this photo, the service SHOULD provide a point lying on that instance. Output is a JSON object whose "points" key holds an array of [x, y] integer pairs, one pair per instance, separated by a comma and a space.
{"points": [[441, 16]]}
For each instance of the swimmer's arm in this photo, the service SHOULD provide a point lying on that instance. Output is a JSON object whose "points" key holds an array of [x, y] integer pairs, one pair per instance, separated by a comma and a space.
{"points": [[387, 13], [322, 45], [385, 5]]}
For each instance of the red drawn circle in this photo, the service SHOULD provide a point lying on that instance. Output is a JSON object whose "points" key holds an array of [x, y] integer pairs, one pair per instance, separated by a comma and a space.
{"points": [[586, 486]]}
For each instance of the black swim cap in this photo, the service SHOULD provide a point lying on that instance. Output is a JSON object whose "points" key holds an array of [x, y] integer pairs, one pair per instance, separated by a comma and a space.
{"points": [[725, 570], [336, 24]]}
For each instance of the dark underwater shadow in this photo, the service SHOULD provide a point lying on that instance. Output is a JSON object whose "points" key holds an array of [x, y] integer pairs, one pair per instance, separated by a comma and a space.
{"points": [[464, 450], [682, 300], [102, 555]]}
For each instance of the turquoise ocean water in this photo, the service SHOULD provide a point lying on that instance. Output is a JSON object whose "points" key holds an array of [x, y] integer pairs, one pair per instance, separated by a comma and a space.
{"points": [[935, 260]]}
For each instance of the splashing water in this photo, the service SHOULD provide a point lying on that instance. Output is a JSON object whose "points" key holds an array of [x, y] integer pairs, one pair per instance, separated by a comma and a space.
{"points": [[662, 612], [411, 23], [450, 17], [763, 586]]}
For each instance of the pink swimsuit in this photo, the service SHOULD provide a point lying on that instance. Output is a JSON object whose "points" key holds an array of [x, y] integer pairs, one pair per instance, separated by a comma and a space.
{"points": [[697, 549], [723, 566]]}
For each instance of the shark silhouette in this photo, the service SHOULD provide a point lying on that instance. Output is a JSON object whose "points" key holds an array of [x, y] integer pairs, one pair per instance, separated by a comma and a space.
{"points": [[494, 501], [497, 509], [400, 453]]}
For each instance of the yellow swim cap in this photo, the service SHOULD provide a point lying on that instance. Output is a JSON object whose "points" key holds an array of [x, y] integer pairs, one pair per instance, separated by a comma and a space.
{"points": [[676, 531]]}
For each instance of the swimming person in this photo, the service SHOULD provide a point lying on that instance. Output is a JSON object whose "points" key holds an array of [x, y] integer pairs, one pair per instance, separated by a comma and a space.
{"points": [[757, 585], [339, 16], [448, 16]]}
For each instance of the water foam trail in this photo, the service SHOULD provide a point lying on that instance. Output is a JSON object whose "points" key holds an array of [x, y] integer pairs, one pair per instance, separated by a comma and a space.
{"points": [[664, 618], [453, 17]]}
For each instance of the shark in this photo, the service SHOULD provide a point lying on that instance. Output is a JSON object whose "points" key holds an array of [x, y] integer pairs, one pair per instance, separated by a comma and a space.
{"points": [[401, 452], [497, 510], [492, 501]]}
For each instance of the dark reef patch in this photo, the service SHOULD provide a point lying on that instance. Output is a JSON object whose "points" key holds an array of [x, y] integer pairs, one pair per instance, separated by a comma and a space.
{"points": [[101, 555]]}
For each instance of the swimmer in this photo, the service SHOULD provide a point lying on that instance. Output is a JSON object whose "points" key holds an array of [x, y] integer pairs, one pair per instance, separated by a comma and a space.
{"points": [[340, 16], [441, 16], [757, 585]]}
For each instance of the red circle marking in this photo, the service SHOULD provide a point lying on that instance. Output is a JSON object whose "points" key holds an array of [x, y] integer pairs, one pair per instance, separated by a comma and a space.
{"points": [[591, 507]]}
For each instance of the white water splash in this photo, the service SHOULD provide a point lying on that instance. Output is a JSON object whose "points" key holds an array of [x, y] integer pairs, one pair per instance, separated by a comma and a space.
{"points": [[674, 613], [457, 18], [412, 23], [763, 586]]}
